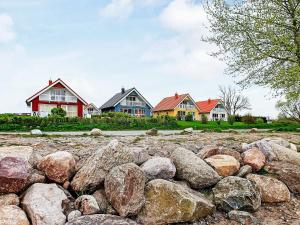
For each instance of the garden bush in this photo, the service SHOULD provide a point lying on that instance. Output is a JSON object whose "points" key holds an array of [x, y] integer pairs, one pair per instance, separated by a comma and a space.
{"points": [[204, 119], [189, 117], [231, 119], [259, 121], [248, 119]]}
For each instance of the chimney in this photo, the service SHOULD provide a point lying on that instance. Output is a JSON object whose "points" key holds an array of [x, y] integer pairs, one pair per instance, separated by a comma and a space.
{"points": [[50, 82], [122, 90], [209, 101], [176, 95]]}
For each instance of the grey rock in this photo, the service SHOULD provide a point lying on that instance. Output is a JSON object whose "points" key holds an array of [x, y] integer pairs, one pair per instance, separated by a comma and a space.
{"points": [[152, 132], [140, 155], [12, 215], [92, 174], [124, 189], [193, 169], [235, 193], [159, 167], [244, 218], [101, 219], [43, 204], [96, 132], [168, 203], [36, 132], [101, 199], [87, 205], [244, 170], [74, 214]]}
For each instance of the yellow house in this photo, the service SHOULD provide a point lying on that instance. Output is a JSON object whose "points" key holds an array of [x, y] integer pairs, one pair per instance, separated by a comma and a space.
{"points": [[177, 106]]}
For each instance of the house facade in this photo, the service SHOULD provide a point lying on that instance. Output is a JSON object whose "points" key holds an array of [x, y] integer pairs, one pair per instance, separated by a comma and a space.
{"points": [[213, 109], [91, 110], [177, 106], [128, 101], [56, 94]]}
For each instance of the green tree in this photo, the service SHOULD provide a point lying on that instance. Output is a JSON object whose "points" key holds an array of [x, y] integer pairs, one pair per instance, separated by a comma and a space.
{"points": [[58, 112], [290, 109], [259, 40]]}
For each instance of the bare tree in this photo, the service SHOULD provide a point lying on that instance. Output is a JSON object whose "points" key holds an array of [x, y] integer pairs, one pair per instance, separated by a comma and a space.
{"points": [[290, 109], [232, 100]]}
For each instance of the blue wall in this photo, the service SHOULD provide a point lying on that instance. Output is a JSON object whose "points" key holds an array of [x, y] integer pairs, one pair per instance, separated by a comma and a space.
{"points": [[146, 108]]}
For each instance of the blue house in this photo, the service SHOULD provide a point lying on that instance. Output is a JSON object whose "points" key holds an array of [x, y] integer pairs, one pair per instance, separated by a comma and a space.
{"points": [[128, 101]]}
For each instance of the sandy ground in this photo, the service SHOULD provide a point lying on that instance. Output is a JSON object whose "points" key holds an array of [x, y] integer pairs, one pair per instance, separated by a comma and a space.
{"points": [[82, 146]]}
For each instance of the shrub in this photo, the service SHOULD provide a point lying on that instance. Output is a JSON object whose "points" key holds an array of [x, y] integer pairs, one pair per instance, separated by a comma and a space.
{"points": [[231, 119], [259, 121], [189, 117], [204, 119], [58, 112], [248, 119], [218, 121]]}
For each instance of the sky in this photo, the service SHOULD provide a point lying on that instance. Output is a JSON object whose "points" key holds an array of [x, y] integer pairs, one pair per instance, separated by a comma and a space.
{"points": [[99, 46]]}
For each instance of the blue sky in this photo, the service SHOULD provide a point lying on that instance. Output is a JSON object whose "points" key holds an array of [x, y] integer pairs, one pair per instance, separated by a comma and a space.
{"points": [[99, 46]]}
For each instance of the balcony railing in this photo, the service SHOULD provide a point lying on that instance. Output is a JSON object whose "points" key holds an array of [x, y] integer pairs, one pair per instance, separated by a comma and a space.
{"points": [[58, 98], [183, 106], [132, 103]]}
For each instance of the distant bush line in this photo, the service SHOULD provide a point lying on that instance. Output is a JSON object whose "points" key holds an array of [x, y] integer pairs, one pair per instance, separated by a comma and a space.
{"points": [[121, 121]]}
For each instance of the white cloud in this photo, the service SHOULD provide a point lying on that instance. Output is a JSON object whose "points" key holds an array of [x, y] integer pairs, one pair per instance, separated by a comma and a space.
{"points": [[6, 31], [117, 9], [184, 15]]}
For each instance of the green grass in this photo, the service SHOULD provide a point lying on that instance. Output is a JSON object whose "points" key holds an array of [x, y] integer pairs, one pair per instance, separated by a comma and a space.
{"points": [[197, 125]]}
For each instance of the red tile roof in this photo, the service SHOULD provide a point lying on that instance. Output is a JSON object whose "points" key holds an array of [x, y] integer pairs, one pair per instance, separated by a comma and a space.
{"points": [[208, 105], [169, 103]]}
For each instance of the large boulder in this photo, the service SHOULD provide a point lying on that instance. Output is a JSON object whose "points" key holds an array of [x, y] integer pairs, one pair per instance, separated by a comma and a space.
{"points": [[167, 203], [124, 188], [23, 152], [9, 199], [286, 172], [58, 166], [92, 174], [43, 204], [87, 205], [235, 193], [272, 190], [159, 167], [12, 215], [101, 219], [193, 169], [254, 158], [13, 175], [152, 132], [225, 165], [285, 154]]}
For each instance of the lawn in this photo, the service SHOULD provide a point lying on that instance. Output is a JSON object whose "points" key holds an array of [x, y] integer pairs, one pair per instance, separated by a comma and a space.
{"points": [[212, 125]]}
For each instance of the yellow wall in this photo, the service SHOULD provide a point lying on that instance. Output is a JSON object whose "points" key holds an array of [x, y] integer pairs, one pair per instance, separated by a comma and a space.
{"points": [[175, 111]]}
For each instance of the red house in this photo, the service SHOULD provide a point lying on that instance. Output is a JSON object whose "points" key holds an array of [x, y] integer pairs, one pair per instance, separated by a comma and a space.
{"points": [[56, 94]]}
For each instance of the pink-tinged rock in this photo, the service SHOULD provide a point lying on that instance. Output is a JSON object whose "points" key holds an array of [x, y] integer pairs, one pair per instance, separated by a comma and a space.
{"points": [[254, 158], [288, 173], [13, 175], [225, 165], [272, 190], [124, 188], [9, 199], [58, 166], [12, 215], [208, 151]]}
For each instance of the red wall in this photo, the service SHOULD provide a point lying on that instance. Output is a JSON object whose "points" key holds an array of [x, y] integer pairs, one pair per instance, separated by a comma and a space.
{"points": [[79, 108], [35, 104]]}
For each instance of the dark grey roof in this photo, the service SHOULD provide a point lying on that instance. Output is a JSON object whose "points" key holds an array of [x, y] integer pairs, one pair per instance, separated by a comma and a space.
{"points": [[115, 99]]}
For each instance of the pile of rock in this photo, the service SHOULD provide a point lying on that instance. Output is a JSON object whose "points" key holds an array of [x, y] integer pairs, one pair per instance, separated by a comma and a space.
{"points": [[116, 185]]}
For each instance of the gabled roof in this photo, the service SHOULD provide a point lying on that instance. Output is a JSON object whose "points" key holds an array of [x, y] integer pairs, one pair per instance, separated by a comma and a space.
{"points": [[92, 105], [52, 85], [208, 105], [170, 103], [112, 102]]}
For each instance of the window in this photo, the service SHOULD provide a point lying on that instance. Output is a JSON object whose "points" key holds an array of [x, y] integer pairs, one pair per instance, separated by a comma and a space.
{"points": [[71, 110], [58, 95], [223, 115], [215, 116], [131, 98]]}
